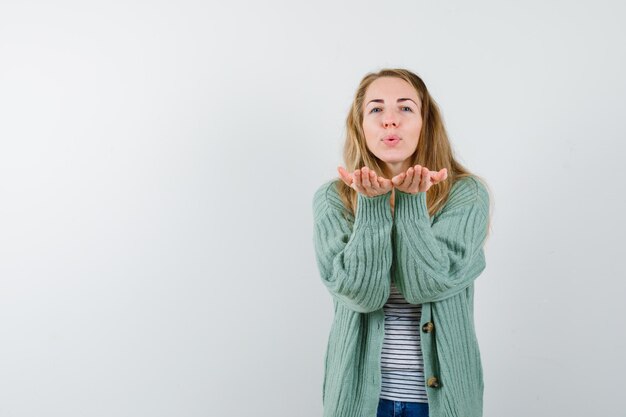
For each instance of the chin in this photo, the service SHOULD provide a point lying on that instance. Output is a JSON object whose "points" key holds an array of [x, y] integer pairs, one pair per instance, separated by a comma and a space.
{"points": [[394, 160]]}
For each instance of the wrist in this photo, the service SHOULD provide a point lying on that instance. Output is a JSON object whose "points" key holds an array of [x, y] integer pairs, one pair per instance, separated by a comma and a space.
{"points": [[409, 205]]}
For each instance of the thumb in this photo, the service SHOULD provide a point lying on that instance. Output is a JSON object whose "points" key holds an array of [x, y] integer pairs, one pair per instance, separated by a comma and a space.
{"points": [[397, 180], [345, 177]]}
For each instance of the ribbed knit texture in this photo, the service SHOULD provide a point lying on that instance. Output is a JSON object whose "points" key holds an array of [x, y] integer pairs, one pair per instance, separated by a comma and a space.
{"points": [[432, 261]]}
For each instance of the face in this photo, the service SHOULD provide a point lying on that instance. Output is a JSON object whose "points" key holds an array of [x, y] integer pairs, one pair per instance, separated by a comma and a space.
{"points": [[392, 122]]}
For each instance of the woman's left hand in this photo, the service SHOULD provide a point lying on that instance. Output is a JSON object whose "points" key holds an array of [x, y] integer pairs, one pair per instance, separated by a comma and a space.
{"points": [[418, 179]]}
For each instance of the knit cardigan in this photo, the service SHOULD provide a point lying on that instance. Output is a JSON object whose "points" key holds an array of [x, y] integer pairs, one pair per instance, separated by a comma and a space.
{"points": [[433, 262]]}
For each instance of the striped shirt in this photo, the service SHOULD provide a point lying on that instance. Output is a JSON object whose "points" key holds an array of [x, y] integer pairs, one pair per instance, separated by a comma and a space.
{"points": [[402, 365]]}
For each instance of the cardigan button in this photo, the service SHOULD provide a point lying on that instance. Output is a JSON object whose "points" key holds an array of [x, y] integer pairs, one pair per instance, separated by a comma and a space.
{"points": [[428, 327], [433, 382]]}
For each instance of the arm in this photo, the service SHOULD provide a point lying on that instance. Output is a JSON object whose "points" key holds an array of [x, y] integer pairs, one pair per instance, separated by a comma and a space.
{"points": [[354, 260], [437, 261]]}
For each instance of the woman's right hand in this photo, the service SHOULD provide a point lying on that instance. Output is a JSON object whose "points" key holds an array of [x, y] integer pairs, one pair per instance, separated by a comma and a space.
{"points": [[365, 181]]}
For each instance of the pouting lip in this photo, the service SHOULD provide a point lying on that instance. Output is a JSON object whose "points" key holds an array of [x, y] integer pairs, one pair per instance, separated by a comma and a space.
{"points": [[391, 137]]}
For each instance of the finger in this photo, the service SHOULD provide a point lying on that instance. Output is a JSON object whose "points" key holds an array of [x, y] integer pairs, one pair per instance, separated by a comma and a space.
{"points": [[345, 176], [365, 178], [416, 173], [439, 176], [375, 183], [425, 183], [417, 178], [408, 179], [398, 179], [405, 178], [357, 180], [383, 183]]}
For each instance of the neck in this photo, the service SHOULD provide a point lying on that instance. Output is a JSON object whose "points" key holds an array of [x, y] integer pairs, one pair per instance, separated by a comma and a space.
{"points": [[394, 168]]}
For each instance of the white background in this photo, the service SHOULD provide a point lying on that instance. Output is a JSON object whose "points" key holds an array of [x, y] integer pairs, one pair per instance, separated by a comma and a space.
{"points": [[157, 167]]}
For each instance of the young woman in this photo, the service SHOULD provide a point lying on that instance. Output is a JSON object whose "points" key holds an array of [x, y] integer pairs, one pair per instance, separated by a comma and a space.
{"points": [[399, 242]]}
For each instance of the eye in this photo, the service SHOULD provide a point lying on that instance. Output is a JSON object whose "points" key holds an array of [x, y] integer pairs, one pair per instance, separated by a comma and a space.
{"points": [[378, 108]]}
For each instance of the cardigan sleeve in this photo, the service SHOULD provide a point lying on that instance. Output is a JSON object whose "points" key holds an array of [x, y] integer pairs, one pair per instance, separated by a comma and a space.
{"points": [[354, 257], [437, 260]]}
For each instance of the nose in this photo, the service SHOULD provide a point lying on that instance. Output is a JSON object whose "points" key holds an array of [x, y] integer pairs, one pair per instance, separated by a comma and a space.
{"points": [[389, 121]]}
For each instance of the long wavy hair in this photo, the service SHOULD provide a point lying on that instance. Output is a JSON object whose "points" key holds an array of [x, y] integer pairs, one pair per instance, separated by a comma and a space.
{"points": [[433, 148]]}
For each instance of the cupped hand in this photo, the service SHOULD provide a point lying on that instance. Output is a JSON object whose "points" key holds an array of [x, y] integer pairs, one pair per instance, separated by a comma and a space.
{"points": [[418, 179], [365, 181]]}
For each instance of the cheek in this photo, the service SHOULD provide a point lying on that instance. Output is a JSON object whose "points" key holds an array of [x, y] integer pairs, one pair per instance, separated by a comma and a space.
{"points": [[369, 129], [417, 126]]}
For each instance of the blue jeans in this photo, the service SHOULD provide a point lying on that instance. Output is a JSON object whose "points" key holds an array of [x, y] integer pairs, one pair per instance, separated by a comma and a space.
{"points": [[391, 408]]}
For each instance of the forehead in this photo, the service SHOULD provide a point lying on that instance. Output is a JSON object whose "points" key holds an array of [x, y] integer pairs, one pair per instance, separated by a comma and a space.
{"points": [[390, 88]]}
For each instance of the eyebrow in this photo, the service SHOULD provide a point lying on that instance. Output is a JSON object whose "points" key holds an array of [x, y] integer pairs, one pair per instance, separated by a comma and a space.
{"points": [[380, 100]]}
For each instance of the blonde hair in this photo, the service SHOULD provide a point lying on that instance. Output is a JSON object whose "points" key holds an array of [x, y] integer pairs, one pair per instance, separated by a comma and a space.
{"points": [[433, 149]]}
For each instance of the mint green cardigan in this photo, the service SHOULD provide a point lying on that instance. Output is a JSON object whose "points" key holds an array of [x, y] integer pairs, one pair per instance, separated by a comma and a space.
{"points": [[433, 262]]}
